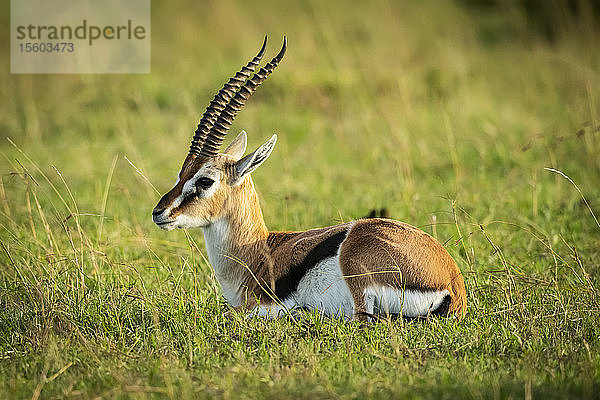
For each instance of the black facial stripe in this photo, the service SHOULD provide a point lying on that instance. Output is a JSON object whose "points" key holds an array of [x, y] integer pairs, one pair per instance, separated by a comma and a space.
{"points": [[186, 200], [287, 284]]}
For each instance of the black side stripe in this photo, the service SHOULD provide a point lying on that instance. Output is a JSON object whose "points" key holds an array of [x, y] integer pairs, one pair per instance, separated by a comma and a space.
{"points": [[288, 284]]}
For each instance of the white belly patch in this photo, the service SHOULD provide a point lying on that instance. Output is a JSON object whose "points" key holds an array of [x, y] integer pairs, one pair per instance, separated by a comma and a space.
{"points": [[324, 288], [410, 303]]}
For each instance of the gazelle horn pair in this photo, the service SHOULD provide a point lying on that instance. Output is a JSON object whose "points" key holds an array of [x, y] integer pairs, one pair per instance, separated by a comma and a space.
{"points": [[221, 112]]}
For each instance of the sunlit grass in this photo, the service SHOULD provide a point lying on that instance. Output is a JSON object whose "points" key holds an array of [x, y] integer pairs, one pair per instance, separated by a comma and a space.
{"points": [[445, 116]]}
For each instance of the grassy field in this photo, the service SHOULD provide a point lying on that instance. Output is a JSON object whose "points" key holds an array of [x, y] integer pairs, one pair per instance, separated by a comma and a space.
{"points": [[445, 115]]}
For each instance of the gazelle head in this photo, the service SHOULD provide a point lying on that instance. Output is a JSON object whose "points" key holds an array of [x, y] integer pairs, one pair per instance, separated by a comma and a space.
{"points": [[208, 180]]}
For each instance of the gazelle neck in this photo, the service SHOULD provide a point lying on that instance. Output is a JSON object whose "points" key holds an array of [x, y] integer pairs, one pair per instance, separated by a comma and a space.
{"points": [[236, 242]]}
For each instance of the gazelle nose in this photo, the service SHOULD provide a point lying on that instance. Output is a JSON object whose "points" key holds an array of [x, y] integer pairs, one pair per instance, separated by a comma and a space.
{"points": [[157, 211]]}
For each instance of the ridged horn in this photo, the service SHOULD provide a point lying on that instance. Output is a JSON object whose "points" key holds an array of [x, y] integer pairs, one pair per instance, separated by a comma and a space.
{"points": [[221, 100], [218, 131]]}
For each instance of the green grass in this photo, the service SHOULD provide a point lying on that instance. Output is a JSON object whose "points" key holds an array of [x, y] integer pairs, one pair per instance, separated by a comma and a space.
{"points": [[447, 116]]}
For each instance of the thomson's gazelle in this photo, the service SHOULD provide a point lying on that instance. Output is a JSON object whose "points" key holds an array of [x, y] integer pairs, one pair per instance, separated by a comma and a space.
{"points": [[357, 269]]}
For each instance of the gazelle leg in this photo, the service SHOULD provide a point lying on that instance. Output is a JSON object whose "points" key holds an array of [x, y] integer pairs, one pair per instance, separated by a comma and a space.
{"points": [[354, 275], [365, 311], [360, 308]]}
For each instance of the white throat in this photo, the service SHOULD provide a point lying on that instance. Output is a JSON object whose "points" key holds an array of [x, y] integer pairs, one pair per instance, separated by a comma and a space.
{"points": [[229, 273]]}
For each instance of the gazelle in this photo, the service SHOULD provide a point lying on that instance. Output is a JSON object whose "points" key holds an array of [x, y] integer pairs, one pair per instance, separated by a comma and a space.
{"points": [[357, 269]]}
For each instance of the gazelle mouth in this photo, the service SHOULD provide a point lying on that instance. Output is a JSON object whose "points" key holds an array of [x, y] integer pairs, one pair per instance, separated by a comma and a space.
{"points": [[166, 225]]}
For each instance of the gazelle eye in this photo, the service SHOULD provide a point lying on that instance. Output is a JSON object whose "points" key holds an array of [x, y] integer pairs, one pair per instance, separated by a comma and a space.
{"points": [[204, 183]]}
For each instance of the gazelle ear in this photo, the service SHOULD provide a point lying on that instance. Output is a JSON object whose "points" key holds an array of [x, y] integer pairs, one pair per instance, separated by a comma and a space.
{"points": [[237, 147], [249, 163]]}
